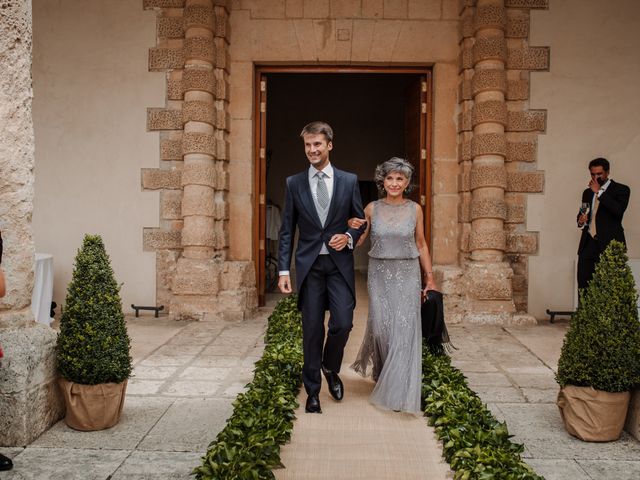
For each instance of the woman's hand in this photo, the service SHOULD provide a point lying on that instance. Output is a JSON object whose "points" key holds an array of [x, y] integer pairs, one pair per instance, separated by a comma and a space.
{"points": [[356, 222]]}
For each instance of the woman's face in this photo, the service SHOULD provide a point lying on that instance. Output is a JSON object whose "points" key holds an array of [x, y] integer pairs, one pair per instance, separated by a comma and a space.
{"points": [[395, 183]]}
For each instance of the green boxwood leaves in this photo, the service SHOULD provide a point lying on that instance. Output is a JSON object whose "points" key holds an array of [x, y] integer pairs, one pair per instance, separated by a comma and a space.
{"points": [[262, 420], [602, 347], [93, 343], [475, 444]]}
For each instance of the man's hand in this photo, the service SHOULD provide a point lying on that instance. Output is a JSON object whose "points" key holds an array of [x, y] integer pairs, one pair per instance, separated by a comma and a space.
{"points": [[594, 185], [284, 283], [582, 220], [339, 241]]}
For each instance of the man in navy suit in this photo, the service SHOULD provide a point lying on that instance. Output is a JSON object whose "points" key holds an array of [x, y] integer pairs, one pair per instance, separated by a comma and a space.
{"points": [[319, 201], [602, 222]]}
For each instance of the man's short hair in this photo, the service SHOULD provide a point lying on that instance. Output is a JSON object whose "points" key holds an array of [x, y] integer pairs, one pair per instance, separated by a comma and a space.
{"points": [[317, 127], [599, 162]]}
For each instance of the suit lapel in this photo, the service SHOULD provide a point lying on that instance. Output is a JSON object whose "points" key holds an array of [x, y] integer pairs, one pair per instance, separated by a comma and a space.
{"points": [[307, 200]]}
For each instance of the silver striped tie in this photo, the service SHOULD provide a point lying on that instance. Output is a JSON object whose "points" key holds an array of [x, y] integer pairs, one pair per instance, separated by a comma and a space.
{"points": [[322, 193]]}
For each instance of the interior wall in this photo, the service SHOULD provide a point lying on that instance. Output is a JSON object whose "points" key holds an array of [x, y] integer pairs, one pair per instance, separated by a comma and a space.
{"points": [[91, 93], [593, 105]]}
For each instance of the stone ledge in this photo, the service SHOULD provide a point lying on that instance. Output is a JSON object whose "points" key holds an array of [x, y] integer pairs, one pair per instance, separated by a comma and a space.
{"points": [[170, 27], [527, 121], [524, 243], [156, 179], [532, 182], [528, 58], [527, 4], [149, 4], [163, 119], [154, 239], [161, 59]]}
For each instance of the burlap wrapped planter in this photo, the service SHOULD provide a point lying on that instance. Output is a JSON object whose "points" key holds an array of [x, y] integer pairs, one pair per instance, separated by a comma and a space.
{"points": [[593, 415], [92, 407]]}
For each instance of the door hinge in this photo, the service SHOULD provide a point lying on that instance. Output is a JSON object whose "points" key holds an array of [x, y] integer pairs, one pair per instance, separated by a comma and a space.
{"points": [[263, 85], [262, 152], [423, 153], [261, 246], [263, 107], [424, 108], [423, 200], [261, 199], [424, 86]]}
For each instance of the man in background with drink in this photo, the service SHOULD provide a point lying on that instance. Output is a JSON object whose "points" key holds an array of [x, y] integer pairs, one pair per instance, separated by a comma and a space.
{"points": [[600, 217]]}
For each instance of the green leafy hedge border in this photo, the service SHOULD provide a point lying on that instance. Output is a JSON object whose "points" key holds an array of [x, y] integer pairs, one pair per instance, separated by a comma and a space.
{"points": [[475, 444], [262, 420]]}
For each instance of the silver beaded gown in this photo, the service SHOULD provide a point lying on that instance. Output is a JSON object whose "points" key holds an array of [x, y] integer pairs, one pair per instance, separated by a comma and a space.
{"points": [[392, 344]]}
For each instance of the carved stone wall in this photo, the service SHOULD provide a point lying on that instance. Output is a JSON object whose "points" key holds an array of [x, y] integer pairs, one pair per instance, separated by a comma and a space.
{"points": [[497, 154], [194, 275], [29, 398]]}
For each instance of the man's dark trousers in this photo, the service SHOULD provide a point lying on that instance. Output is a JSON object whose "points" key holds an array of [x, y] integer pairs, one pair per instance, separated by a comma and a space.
{"points": [[324, 287]]}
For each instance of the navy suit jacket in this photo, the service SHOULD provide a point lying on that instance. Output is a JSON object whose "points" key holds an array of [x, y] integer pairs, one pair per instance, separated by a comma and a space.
{"points": [[613, 203], [300, 211]]}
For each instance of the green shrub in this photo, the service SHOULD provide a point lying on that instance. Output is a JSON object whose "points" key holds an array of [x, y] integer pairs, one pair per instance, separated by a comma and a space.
{"points": [[262, 420], [475, 444], [93, 344], [602, 347]]}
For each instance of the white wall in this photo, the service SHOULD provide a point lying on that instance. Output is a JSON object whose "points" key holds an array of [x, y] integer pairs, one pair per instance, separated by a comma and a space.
{"points": [[593, 102], [91, 92]]}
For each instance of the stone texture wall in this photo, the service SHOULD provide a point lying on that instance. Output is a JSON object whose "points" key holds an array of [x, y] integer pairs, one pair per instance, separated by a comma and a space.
{"points": [[29, 399], [497, 153], [194, 272]]}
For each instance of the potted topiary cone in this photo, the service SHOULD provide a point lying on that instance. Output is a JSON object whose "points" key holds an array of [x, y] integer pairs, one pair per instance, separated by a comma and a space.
{"points": [[600, 359], [93, 344]]}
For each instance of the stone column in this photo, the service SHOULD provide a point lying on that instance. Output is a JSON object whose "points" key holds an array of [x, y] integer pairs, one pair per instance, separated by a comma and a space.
{"points": [[489, 297], [29, 399], [196, 283]]}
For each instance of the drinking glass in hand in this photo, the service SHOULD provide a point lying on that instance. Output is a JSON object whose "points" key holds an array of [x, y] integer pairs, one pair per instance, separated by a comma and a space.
{"points": [[584, 208]]}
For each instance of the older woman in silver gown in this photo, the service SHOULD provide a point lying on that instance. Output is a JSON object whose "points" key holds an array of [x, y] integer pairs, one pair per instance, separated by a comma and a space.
{"points": [[392, 345]]}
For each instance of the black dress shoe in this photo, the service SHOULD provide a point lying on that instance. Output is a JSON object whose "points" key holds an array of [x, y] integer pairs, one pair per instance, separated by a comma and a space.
{"points": [[5, 463], [313, 404], [336, 389]]}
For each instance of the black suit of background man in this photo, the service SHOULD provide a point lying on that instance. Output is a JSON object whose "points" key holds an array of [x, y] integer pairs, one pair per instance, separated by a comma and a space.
{"points": [[612, 198]]}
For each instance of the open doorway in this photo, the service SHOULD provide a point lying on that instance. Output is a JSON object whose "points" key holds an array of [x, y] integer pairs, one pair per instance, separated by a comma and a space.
{"points": [[376, 114]]}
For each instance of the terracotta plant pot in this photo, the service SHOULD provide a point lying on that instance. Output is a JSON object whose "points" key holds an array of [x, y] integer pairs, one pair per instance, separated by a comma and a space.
{"points": [[593, 415], [92, 407]]}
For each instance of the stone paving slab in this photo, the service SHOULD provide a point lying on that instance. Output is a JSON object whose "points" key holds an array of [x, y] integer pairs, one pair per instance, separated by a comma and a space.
{"points": [[528, 357], [158, 465], [189, 425], [36, 463], [139, 415]]}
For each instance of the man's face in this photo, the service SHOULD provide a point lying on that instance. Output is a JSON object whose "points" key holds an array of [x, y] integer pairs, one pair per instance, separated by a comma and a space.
{"points": [[599, 175], [317, 149]]}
